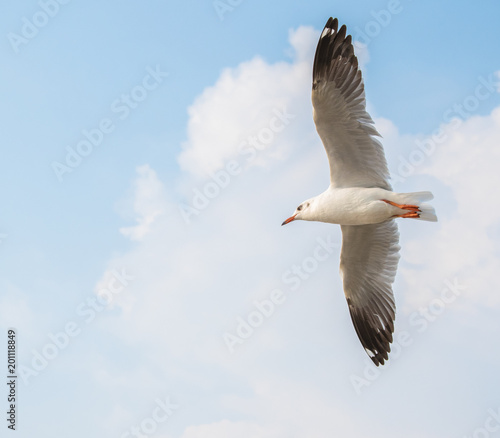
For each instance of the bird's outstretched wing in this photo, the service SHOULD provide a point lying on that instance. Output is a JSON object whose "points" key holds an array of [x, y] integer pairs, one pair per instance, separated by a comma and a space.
{"points": [[356, 157], [368, 263]]}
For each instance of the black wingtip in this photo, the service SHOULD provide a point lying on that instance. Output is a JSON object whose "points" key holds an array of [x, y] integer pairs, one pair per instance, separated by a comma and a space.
{"points": [[332, 23], [333, 43], [374, 340]]}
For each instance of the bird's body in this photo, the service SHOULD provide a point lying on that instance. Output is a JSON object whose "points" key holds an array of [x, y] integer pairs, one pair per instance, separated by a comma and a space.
{"points": [[359, 197], [359, 205]]}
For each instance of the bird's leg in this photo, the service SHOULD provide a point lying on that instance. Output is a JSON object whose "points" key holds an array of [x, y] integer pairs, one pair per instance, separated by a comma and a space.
{"points": [[414, 215], [403, 206], [414, 210]]}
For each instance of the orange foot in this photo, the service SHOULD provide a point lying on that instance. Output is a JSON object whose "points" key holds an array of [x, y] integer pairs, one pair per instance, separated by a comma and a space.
{"points": [[414, 215], [414, 210]]}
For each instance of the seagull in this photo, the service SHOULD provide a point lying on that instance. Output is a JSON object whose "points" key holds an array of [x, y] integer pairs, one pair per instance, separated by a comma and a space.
{"points": [[359, 198]]}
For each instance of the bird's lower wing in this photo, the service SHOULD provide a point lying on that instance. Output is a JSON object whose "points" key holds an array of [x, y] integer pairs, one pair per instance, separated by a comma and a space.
{"points": [[368, 264]]}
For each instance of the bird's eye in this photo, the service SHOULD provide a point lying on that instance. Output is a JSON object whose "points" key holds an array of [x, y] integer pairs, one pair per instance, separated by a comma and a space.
{"points": [[299, 208]]}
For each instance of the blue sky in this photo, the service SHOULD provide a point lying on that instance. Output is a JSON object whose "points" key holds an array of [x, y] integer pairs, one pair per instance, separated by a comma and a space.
{"points": [[200, 82]]}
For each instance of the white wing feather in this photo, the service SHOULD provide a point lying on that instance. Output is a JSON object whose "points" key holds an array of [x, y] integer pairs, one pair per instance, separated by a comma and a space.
{"points": [[356, 157], [368, 264]]}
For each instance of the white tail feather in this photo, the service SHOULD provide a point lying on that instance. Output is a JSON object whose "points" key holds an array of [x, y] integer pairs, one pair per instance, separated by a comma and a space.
{"points": [[427, 213], [416, 198]]}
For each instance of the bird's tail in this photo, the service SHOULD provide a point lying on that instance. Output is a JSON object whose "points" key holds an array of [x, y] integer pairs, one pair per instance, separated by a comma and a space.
{"points": [[426, 212]]}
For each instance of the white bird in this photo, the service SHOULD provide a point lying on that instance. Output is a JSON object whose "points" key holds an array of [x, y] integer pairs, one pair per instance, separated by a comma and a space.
{"points": [[359, 197]]}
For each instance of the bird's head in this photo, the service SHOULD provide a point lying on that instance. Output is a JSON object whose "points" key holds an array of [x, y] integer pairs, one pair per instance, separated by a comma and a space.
{"points": [[302, 212]]}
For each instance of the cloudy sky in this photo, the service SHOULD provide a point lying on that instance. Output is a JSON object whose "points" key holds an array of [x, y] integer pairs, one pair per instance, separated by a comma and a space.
{"points": [[150, 152]]}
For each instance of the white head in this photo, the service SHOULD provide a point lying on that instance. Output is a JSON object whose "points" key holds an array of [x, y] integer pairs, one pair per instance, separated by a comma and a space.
{"points": [[303, 212]]}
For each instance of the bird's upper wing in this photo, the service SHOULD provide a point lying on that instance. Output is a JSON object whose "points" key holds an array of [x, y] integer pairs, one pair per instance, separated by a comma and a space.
{"points": [[356, 157], [368, 263]]}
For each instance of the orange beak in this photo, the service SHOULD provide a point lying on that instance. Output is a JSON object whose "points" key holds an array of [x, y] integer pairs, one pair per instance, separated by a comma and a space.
{"points": [[290, 219]]}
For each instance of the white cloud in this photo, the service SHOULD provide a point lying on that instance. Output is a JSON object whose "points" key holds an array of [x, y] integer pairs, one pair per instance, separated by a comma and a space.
{"points": [[361, 51], [191, 281], [148, 203], [464, 244], [468, 163], [241, 104]]}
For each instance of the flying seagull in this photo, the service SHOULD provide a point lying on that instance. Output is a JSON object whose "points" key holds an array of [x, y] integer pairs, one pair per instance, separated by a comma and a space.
{"points": [[359, 197]]}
